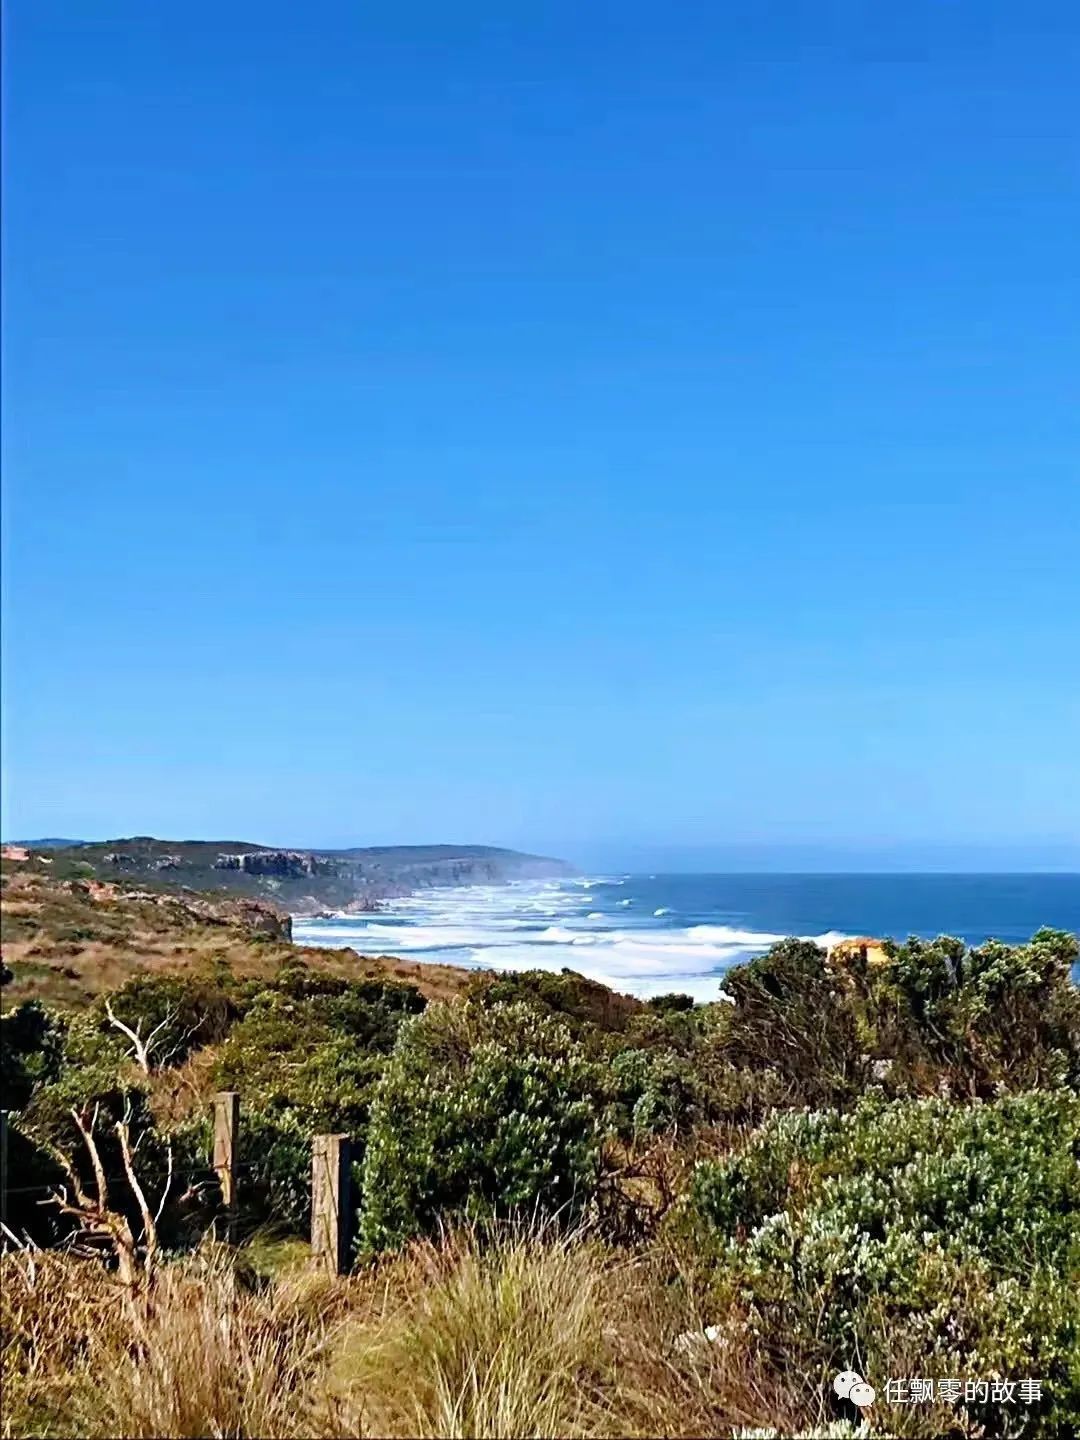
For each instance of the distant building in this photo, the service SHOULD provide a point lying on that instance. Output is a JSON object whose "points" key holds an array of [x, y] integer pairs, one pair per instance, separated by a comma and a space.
{"points": [[861, 950]]}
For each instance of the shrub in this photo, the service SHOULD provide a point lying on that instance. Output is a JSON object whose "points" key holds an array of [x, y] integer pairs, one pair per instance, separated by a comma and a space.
{"points": [[181, 1011], [665, 1004], [346, 997], [335, 1034], [300, 1012], [984, 1018], [583, 1005], [938, 1017], [682, 1028], [655, 1090], [76, 1066], [839, 1228], [792, 1015], [480, 1112], [326, 1079], [31, 1050]]}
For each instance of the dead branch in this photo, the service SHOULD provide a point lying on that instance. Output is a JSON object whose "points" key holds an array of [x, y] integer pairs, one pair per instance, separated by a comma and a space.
{"points": [[143, 1048], [87, 1133], [99, 1224], [167, 1187], [97, 1221], [149, 1222]]}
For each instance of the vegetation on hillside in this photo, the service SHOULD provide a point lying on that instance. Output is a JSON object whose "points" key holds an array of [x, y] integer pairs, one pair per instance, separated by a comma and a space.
{"points": [[301, 881], [575, 1213], [67, 940]]}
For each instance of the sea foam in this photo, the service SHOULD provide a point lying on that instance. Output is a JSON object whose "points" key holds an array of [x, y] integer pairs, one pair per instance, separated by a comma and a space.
{"points": [[546, 926]]}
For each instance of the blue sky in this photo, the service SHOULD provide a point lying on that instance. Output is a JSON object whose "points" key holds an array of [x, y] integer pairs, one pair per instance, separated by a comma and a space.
{"points": [[648, 432]]}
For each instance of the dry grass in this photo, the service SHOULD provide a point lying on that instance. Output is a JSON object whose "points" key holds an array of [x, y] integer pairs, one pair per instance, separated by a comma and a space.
{"points": [[509, 1335], [211, 1358], [65, 944], [535, 1334], [508, 1341], [49, 1308], [195, 1354]]}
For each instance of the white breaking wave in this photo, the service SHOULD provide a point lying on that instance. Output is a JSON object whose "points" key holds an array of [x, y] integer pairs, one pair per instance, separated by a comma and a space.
{"points": [[530, 925]]}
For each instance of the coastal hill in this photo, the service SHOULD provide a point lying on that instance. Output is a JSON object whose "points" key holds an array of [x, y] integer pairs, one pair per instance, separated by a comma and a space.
{"points": [[66, 940], [301, 881]]}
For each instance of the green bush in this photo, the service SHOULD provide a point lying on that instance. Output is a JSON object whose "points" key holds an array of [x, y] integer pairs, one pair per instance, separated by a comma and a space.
{"points": [[275, 1171], [840, 1229], [480, 1112], [665, 1004], [335, 1034], [682, 1028], [793, 1015], [31, 1051], [173, 1014], [980, 1019], [584, 1006], [306, 1057], [654, 1090], [939, 1017]]}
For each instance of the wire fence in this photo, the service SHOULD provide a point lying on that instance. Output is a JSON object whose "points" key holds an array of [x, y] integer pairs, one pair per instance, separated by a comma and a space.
{"points": [[330, 1156], [145, 1177]]}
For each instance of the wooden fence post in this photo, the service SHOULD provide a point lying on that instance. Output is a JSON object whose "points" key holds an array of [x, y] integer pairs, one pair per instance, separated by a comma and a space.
{"points": [[330, 1209], [226, 1137]]}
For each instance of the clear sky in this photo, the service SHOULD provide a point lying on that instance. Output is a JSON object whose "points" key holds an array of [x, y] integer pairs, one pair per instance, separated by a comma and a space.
{"points": [[645, 431]]}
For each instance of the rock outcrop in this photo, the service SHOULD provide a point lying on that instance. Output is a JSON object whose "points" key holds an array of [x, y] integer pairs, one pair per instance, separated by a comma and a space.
{"points": [[285, 864]]}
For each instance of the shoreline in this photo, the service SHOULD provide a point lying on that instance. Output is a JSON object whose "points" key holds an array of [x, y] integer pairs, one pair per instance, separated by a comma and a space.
{"points": [[551, 925], [657, 934]]}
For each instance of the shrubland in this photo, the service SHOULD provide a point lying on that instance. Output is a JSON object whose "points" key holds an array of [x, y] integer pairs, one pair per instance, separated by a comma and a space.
{"points": [[575, 1213]]}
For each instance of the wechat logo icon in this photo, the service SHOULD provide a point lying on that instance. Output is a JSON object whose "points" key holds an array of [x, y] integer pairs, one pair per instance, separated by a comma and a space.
{"points": [[850, 1385]]}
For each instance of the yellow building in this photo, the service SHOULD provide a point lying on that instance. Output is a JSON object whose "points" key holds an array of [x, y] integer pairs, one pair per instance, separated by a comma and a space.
{"points": [[862, 950]]}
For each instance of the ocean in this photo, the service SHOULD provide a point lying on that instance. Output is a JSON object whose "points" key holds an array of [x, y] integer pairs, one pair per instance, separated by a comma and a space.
{"points": [[651, 934]]}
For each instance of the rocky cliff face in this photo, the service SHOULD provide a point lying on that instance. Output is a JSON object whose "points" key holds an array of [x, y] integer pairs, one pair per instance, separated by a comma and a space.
{"points": [[297, 881], [256, 917], [284, 864]]}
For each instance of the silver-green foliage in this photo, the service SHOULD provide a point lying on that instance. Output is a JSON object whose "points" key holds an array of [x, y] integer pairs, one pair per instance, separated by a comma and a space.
{"points": [[957, 1227]]}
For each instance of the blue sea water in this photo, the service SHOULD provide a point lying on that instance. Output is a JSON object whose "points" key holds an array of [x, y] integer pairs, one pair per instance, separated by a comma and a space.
{"points": [[650, 934]]}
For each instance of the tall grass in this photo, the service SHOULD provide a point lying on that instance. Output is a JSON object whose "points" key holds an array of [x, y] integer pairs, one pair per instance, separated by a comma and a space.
{"points": [[527, 1333], [475, 1340], [512, 1333], [196, 1354]]}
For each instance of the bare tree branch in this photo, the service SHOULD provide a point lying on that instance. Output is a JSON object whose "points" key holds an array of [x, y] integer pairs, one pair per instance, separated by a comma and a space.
{"points": [[97, 1222], [142, 1054], [168, 1186], [149, 1228], [69, 1170], [95, 1160]]}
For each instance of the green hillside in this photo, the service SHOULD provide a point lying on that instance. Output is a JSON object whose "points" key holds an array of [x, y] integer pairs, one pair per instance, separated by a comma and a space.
{"points": [[303, 881]]}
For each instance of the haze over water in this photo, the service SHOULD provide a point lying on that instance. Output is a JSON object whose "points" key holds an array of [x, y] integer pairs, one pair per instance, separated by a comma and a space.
{"points": [[650, 934]]}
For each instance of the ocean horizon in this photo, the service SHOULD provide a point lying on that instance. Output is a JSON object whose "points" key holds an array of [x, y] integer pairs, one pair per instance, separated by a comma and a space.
{"points": [[653, 934]]}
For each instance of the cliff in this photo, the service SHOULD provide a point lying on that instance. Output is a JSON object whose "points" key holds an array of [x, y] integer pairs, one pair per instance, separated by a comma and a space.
{"points": [[296, 880]]}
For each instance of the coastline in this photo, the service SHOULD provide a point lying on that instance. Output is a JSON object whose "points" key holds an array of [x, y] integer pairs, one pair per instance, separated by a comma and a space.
{"points": [[588, 925], [650, 935]]}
